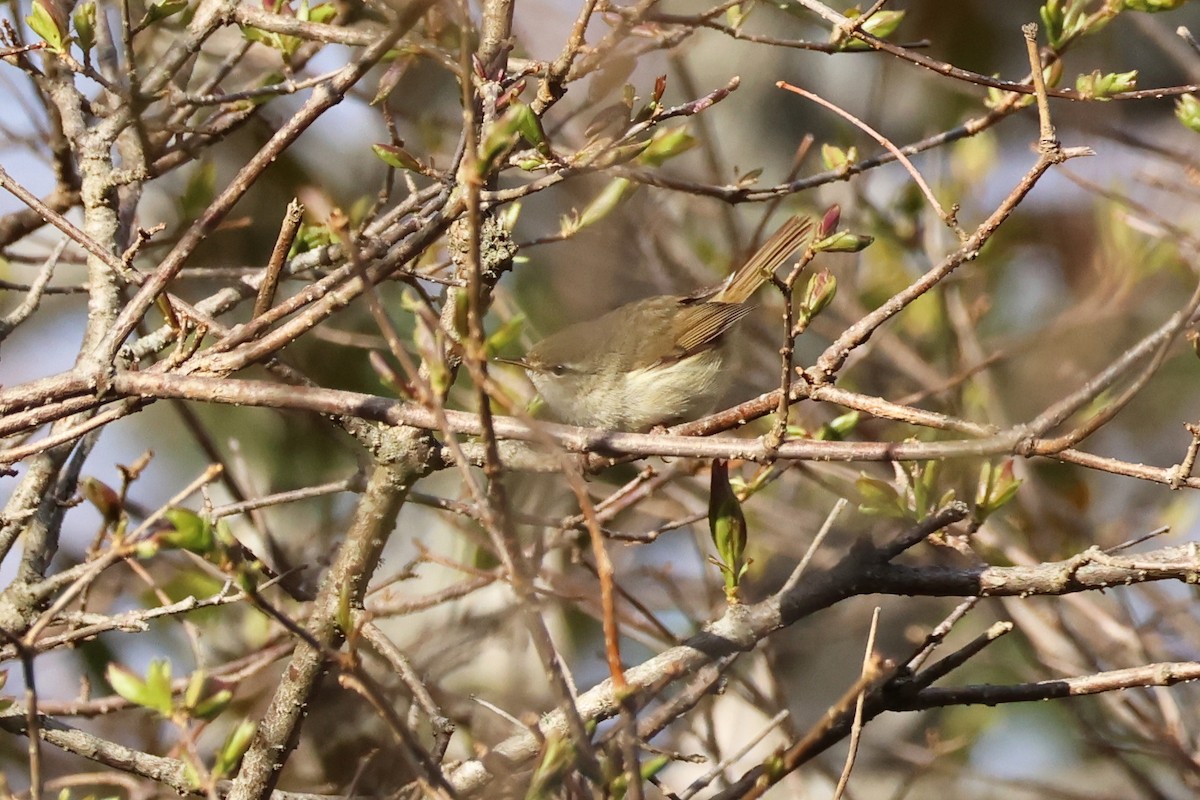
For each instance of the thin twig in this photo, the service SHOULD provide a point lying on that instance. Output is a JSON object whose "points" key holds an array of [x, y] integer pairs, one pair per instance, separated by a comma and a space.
{"points": [[947, 218], [283, 243], [869, 658], [1047, 139], [826, 527]]}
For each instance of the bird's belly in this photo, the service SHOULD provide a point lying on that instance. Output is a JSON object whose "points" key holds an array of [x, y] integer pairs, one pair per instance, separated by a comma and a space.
{"points": [[666, 394]]}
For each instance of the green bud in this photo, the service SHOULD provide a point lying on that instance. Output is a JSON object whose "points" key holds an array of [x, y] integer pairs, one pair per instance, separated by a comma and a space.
{"points": [[233, 749], [881, 25], [843, 242], [727, 524], [996, 487], [879, 498], [735, 15], [1187, 111], [1099, 86], [1052, 20], [147, 548], [838, 428], [189, 531], [530, 127], [211, 706], [818, 294], [397, 157], [1153, 6], [84, 18], [835, 158]]}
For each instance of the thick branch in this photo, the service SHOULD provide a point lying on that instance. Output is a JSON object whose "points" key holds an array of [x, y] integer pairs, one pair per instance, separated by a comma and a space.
{"points": [[402, 455]]}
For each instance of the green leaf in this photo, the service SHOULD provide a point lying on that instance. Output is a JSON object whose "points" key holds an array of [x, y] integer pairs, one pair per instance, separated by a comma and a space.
{"points": [[500, 137], [924, 486], [162, 10], [879, 498], [203, 698], [48, 22], [653, 766], [286, 45], [126, 683], [195, 688], [158, 685], [883, 24], [311, 237], [233, 749], [397, 157], [153, 692], [557, 757], [189, 531], [735, 15], [256, 35], [665, 145], [603, 204], [838, 428], [322, 12]]}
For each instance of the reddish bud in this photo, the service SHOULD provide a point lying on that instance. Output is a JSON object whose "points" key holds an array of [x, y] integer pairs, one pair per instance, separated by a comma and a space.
{"points": [[830, 221]]}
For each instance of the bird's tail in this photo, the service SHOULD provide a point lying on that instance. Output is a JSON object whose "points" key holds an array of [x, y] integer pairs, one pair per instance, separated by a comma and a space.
{"points": [[792, 235]]}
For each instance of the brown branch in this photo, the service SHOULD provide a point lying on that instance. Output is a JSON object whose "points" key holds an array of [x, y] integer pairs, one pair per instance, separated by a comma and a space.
{"points": [[343, 588], [868, 572], [1157, 674], [324, 97], [1015, 441], [170, 772]]}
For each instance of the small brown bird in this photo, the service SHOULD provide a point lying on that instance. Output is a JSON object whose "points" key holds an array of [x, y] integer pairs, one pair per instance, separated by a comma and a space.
{"points": [[656, 361]]}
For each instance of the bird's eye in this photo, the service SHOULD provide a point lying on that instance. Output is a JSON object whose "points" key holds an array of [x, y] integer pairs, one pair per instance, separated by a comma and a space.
{"points": [[558, 369]]}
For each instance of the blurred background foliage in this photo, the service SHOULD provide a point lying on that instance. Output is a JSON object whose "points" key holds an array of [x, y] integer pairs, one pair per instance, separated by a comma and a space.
{"points": [[1083, 268]]}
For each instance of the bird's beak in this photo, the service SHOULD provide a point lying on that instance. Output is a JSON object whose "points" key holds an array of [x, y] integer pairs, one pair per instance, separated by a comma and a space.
{"points": [[516, 362]]}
